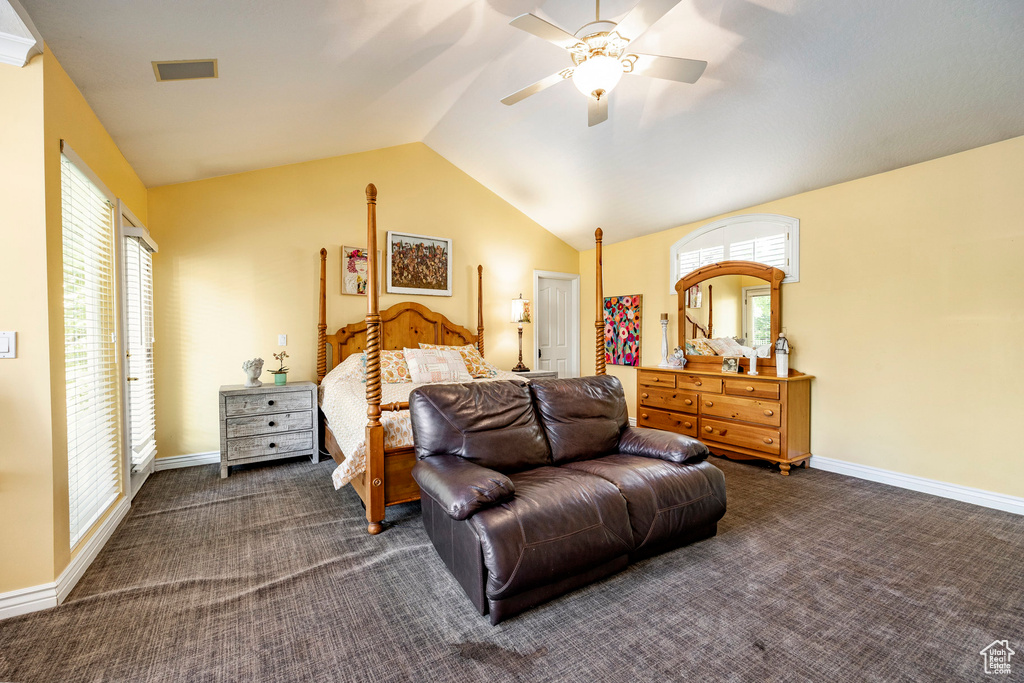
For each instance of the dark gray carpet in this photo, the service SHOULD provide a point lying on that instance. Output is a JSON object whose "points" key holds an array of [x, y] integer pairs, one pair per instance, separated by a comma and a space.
{"points": [[269, 576]]}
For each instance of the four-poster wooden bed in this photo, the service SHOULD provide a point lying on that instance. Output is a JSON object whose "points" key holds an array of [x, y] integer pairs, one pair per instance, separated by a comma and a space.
{"points": [[387, 478]]}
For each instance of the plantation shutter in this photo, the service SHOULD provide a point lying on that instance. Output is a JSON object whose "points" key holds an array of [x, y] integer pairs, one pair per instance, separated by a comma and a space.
{"points": [[90, 353], [138, 276]]}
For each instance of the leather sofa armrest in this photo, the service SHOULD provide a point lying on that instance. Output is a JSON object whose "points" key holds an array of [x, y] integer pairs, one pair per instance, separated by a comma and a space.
{"points": [[655, 443], [459, 486]]}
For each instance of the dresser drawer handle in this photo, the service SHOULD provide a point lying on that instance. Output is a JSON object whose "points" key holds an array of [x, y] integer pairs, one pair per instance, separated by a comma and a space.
{"points": [[273, 445], [750, 388], [708, 430], [768, 440], [644, 396], [270, 403], [643, 416], [708, 404], [271, 423], [688, 402], [769, 413], [687, 424], [698, 383]]}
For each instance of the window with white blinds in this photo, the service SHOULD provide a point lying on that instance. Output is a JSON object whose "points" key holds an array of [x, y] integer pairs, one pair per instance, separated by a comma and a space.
{"points": [[765, 238], [138, 301], [92, 376]]}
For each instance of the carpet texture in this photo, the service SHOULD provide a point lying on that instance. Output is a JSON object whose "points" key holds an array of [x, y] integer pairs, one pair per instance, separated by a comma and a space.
{"points": [[269, 576]]}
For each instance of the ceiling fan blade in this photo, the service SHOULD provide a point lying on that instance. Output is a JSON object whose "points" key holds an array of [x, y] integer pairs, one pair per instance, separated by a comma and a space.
{"points": [[535, 88], [597, 110], [533, 24], [640, 18], [669, 68]]}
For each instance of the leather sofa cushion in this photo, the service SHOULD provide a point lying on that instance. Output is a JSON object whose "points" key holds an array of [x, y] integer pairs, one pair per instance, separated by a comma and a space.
{"points": [[490, 423], [655, 443], [665, 500], [559, 523], [582, 417]]}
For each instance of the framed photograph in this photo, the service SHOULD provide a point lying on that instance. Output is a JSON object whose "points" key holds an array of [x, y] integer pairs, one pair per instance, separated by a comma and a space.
{"points": [[731, 364], [354, 271], [623, 320], [419, 265]]}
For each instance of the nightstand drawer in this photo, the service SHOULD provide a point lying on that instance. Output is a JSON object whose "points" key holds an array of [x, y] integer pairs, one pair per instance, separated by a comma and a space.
{"points": [[254, 425], [255, 446], [255, 404], [672, 422]]}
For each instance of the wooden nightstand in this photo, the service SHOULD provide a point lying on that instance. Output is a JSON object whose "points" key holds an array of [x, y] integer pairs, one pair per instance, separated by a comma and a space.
{"points": [[267, 423], [537, 374]]}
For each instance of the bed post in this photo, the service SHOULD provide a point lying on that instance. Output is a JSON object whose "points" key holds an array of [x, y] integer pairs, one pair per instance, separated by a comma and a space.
{"points": [[480, 309], [374, 475], [599, 322], [321, 327]]}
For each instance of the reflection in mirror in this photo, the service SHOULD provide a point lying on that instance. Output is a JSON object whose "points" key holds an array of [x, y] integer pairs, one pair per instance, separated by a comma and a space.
{"points": [[727, 316]]}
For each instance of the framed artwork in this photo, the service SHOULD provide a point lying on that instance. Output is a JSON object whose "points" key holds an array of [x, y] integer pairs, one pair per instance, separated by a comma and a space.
{"points": [[354, 270], [623, 319], [731, 364], [419, 265]]}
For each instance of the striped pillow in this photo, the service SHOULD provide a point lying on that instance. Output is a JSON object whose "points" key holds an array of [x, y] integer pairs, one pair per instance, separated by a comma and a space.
{"points": [[436, 365], [476, 365]]}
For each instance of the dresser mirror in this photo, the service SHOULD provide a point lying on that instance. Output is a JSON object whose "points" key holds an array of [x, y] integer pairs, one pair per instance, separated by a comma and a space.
{"points": [[730, 308]]}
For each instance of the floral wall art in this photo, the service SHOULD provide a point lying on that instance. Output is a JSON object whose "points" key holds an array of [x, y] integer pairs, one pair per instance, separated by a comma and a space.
{"points": [[623, 317]]}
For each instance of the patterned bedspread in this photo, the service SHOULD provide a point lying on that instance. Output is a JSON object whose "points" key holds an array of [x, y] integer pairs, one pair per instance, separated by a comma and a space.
{"points": [[343, 401]]}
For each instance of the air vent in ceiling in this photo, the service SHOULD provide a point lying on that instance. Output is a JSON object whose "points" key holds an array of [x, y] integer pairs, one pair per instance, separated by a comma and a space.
{"points": [[185, 69]]}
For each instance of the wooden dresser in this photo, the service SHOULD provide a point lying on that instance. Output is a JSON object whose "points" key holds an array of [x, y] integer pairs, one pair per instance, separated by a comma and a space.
{"points": [[739, 416], [267, 423]]}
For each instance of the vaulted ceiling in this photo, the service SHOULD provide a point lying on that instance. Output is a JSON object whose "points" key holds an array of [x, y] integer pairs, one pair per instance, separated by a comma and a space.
{"points": [[798, 94]]}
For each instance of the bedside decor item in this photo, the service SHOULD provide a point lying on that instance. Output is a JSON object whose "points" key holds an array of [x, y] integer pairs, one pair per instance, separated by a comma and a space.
{"points": [[782, 356], [622, 328], [354, 270], [267, 423], [520, 315], [731, 365], [677, 359], [281, 374], [664, 342], [253, 369], [419, 264], [752, 355]]}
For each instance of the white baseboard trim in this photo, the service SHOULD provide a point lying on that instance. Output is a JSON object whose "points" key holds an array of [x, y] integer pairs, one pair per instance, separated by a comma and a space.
{"points": [[46, 595], [966, 494], [632, 422], [190, 460]]}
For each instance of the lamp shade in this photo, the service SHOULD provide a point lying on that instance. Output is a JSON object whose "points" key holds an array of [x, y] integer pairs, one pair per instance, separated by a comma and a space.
{"points": [[520, 310], [600, 72]]}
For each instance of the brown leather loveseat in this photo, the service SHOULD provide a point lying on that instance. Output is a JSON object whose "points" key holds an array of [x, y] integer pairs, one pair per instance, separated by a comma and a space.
{"points": [[530, 491]]}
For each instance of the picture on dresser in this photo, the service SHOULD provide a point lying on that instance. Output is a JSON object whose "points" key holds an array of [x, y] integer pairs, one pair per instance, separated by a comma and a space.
{"points": [[419, 264], [623, 319], [355, 270], [731, 364]]}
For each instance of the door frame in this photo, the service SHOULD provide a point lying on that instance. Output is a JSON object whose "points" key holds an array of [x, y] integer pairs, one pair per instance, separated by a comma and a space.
{"points": [[757, 290], [574, 312]]}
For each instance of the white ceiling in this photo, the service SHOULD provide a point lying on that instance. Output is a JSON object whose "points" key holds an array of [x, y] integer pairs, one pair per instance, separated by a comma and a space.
{"points": [[798, 94]]}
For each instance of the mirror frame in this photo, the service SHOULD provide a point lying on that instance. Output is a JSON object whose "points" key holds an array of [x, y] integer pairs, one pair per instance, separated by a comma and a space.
{"points": [[773, 276]]}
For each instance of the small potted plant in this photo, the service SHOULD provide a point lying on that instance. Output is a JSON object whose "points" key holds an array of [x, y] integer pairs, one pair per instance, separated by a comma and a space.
{"points": [[281, 374]]}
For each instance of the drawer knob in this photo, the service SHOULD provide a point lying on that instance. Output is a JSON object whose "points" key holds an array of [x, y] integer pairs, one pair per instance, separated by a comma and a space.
{"points": [[644, 395], [698, 383], [687, 424], [271, 424], [750, 388], [708, 430], [643, 416], [708, 404], [273, 445], [270, 403], [769, 413], [768, 439], [688, 402]]}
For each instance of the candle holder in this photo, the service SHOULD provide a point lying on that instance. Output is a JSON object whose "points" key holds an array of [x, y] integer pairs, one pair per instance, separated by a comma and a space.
{"points": [[664, 342]]}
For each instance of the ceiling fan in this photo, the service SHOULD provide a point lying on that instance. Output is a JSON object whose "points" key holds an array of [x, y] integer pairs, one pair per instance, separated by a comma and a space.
{"points": [[599, 55]]}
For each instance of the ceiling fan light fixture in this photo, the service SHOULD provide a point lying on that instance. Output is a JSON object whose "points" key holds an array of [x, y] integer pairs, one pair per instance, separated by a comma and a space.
{"points": [[599, 72]]}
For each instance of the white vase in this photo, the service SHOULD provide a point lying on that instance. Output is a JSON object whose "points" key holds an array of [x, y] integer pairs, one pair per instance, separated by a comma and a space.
{"points": [[782, 364]]}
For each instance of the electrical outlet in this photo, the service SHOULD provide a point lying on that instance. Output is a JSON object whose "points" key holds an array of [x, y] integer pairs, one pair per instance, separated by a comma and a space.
{"points": [[282, 340]]}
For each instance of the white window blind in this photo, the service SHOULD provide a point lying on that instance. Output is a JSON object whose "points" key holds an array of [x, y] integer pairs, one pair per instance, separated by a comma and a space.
{"points": [[138, 276], [764, 238], [89, 349]]}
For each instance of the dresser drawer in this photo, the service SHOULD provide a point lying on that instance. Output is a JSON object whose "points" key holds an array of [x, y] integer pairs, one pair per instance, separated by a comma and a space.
{"points": [[277, 402], [672, 422], [711, 385], [273, 423], [274, 444], [740, 387], [745, 436], [657, 379], [668, 399], [747, 409]]}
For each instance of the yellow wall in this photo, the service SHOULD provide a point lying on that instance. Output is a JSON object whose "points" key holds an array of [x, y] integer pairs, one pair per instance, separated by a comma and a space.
{"points": [[40, 106], [26, 507], [239, 264], [908, 312]]}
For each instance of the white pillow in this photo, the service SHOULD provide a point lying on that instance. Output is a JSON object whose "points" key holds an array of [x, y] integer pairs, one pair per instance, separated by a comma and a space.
{"points": [[353, 367], [436, 365]]}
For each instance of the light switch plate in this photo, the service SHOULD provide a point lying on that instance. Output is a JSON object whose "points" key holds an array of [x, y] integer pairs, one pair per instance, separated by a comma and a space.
{"points": [[8, 344], [282, 340]]}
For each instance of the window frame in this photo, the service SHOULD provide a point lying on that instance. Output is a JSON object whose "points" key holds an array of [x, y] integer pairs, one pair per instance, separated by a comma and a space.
{"points": [[791, 225]]}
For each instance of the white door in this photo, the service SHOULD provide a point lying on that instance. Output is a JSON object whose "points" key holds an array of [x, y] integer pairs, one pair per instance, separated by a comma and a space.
{"points": [[557, 323]]}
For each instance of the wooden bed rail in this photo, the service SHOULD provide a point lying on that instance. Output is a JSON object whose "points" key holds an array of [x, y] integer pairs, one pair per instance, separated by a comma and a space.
{"points": [[599, 368]]}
